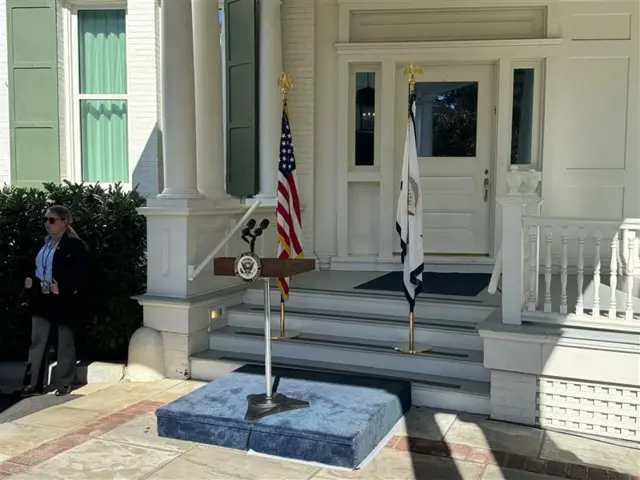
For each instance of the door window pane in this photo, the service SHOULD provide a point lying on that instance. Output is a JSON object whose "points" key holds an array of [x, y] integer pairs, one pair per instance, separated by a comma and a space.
{"points": [[365, 119], [102, 71], [446, 119], [522, 116]]}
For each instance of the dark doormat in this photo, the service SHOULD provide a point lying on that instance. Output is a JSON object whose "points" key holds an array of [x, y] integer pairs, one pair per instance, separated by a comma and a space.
{"points": [[434, 283], [14, 407]]}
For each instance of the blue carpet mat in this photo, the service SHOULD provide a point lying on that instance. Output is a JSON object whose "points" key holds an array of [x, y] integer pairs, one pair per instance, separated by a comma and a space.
{"points": [[434, 283], [347, 419]]}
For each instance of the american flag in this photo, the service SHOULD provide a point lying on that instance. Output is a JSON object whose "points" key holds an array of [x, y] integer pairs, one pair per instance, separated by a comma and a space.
{"points": [[288, 206]]}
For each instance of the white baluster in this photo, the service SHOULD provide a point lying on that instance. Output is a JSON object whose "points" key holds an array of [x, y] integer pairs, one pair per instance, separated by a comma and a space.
{"points": [[628, 312], [547, 269], [564, 262], [533, 267], [613, 277], [580, 300], [596, 276]]}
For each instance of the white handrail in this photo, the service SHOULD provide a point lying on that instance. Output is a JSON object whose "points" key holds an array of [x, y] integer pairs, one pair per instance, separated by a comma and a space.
{"points": [[495, 274], [195, 271]]}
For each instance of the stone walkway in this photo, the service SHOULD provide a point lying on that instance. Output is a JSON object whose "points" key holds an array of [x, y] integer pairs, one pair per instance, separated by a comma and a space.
{"points": [[110, 433]]}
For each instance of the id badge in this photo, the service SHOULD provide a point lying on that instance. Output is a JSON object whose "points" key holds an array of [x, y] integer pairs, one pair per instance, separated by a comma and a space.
{"points": [[46, 288]]}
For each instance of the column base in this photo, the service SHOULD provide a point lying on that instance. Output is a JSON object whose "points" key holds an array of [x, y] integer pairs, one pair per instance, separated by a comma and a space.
{"points": [[169, 195]]}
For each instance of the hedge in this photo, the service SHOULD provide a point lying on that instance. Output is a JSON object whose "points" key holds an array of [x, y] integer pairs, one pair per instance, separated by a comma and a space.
{"points": [[107, 219]]}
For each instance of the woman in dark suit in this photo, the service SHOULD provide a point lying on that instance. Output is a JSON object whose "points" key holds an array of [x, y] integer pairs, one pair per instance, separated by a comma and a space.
{"points": [[57, 288]]}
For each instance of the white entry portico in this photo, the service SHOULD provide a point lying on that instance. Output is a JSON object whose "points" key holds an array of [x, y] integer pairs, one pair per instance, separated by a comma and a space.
{"points": [[461, 215], [531, 70]]}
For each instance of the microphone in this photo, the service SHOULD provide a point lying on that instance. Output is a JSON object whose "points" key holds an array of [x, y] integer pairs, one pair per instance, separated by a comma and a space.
{"points": [[262, 227], [248, 227]]}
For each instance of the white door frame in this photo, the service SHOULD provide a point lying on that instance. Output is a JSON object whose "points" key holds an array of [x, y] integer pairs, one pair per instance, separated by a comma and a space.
{"points": [[484, 74], [388, 57]]}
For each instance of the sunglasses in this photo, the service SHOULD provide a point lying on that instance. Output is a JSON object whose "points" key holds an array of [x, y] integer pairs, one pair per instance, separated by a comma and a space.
{"points": [[51, 220]]}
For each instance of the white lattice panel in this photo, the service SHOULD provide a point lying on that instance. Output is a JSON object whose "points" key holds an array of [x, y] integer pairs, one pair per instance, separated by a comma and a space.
{"points": [[596, 409]]}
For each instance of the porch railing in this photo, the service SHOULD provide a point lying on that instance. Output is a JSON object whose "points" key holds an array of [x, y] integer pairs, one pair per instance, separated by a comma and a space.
{"points": [[570, 271]]}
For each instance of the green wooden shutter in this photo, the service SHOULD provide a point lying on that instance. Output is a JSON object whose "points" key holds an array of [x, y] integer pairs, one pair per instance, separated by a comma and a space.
{"points": [[33, 92], [241, 46]]}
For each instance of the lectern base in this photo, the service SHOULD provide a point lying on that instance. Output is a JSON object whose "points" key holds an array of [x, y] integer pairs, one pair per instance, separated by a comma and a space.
{"points": [[260, 406]]}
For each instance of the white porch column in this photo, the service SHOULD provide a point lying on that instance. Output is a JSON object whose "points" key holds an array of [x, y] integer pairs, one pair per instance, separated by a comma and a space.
{"points": [[208, 98], [178, 102], [512, 255], [270, 98]]}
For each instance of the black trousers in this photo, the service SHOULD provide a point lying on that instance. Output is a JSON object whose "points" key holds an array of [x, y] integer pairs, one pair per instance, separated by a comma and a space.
{"points": [[66, 368]]}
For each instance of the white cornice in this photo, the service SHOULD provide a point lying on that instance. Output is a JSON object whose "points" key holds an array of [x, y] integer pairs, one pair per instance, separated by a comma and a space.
{"points": [[406, 47]]}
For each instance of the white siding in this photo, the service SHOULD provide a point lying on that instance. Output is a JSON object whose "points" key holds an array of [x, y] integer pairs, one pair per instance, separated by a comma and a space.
{"points": [[62, 91], [142, 48], [592, 165], [298, 56], [5, 151]]}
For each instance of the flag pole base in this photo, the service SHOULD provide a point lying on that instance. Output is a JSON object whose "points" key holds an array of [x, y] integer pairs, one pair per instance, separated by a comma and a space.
{"points": [[283, 334], [288, 335], [412, 350]]}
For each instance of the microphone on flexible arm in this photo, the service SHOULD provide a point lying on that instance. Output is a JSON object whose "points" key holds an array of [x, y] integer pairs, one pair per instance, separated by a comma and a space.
{"points": [[248, 227], [261, 228], [245, 234]]}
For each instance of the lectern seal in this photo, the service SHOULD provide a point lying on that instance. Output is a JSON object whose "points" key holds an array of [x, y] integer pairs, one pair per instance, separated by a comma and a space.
{"points": [[247, 267]]}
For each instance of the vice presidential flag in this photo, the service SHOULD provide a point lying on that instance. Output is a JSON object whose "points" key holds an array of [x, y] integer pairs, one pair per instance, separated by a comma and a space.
{"points": [[409, 215]]}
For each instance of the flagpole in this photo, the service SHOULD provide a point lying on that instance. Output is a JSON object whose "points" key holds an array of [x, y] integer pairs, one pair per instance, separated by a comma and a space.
{"points": [[411, 348], [285, 83]]}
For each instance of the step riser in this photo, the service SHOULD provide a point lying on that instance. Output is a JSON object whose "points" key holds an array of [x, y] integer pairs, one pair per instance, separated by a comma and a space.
{"points": [[364, 305], [447, 400], [392, 360], [208, 370], [353, 329]]}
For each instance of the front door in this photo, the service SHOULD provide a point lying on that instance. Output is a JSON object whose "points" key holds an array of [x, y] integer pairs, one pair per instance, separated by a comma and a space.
{"points": [[454, 133]]}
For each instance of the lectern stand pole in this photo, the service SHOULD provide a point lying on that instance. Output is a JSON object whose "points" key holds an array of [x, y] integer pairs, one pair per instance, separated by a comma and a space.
{"points": [[267, 403], [267, 338]]}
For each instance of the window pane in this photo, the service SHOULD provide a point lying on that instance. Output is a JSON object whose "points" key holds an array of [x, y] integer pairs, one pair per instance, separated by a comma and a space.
{"points": [[103, 126], [102, 51], [446, 119], [522, 116], [365, 118]]}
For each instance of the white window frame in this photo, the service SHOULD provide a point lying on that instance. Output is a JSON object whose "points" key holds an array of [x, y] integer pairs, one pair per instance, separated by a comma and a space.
{"points": [[72, 88], [536, 117]]}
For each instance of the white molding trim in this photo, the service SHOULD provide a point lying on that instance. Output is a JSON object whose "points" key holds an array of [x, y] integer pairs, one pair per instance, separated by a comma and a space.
{"points": [[345, 7], [433, 4], [526, 48], [582, 321]]}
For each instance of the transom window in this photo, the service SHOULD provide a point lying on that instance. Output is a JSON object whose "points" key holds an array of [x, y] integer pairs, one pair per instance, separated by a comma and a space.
{"points": [[99, 85]]}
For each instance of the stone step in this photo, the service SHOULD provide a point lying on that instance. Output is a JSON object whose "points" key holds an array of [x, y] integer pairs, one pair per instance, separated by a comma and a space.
{"points": [[394, 329], [367, 303], [427, 390], [378, 354]]}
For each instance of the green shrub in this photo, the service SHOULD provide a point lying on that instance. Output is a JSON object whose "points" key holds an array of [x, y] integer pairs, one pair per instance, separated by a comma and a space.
{"points": [[106, 218]]}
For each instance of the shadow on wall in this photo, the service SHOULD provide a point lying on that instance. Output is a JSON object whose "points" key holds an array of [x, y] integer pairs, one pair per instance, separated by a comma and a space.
{"points": [[147, 174]]}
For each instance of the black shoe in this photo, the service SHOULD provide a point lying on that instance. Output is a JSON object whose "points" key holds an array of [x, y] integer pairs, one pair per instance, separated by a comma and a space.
{"points": [[63, 391], [30, 390]]}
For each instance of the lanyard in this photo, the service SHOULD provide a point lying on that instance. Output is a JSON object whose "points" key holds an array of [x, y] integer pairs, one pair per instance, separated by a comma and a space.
{"points": [[48, 248]]}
